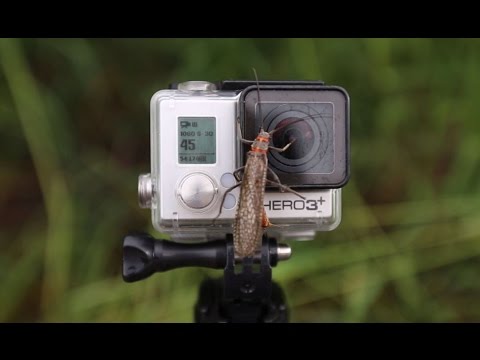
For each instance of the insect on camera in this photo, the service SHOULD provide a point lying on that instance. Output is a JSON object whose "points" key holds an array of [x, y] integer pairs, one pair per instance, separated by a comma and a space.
{"points": [[229, 161], [198, 155]]}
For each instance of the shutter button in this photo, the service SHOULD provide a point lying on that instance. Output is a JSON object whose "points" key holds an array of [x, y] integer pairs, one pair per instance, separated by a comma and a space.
{"points": [[197, 191]]}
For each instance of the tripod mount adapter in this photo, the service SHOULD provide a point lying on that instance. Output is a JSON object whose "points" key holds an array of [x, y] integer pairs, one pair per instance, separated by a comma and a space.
{"points": [[246, 292]]}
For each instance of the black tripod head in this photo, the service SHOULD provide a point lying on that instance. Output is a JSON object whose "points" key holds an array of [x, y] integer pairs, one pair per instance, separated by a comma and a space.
{"points": [[244, 294]]}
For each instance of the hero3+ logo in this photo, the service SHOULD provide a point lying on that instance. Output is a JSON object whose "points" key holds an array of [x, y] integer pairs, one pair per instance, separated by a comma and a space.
{"points": [[310, 204]]}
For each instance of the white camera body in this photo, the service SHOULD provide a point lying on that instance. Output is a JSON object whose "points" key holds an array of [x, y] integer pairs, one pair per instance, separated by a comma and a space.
{"points": [[195, 149]]}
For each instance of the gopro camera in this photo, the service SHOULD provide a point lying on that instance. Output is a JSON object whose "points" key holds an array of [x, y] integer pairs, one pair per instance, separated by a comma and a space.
{"points": [[196, 129]]}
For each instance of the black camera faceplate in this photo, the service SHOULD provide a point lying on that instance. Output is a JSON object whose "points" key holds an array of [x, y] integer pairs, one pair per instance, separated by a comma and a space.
{"points": [[316, 116]]}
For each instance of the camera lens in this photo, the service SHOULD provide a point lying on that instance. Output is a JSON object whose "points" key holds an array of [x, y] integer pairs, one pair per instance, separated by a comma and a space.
{"points": [[302, 126], [294, 130], [313, 120]]}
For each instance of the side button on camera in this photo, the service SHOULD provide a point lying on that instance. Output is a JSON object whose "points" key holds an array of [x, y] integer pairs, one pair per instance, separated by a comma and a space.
{"points": [[145, 191]]}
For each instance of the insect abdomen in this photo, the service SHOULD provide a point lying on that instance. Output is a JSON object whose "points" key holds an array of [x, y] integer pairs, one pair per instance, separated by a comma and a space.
{"points": [[248, 230]]}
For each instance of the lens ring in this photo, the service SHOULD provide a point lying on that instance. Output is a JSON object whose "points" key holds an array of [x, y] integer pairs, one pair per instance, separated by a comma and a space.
{"points": [[299, 134], [302, 128], [313, 121]]}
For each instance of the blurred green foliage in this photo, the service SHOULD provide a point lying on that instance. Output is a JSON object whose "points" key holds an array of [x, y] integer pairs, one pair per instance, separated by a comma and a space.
{"points": [[74, 135]]}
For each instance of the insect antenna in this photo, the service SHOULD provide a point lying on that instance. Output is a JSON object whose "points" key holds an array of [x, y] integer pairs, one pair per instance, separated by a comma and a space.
{"points": [[311, 116], [259, 101], [285, 125]]}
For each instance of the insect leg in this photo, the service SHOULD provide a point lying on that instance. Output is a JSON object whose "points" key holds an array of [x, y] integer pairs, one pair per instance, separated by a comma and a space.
{"points": [[282, 149], [240, 136], [285, 188], [275, 176], [236, 173], [223, 200], [237, 177], [265, 220]]}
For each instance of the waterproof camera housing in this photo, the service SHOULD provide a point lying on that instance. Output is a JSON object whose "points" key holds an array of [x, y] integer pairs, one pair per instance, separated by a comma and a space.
{"points": [[196, 129]]}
